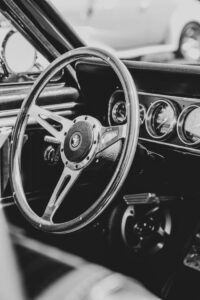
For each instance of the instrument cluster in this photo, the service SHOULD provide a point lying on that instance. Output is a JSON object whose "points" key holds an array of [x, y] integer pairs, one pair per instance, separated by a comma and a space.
{"points": [[172, 120], [117, 110]]}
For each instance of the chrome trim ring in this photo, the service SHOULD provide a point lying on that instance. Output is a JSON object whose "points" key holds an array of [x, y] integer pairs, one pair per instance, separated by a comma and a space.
{"points": [[143, 111], [149, 117], [180, 125], [114, 112], [3, 48]]}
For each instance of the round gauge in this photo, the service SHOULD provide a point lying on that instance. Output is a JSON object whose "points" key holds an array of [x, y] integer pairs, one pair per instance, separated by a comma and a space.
{"points": [[119, 112], [161, 119], [142, 113], [188, 125]]}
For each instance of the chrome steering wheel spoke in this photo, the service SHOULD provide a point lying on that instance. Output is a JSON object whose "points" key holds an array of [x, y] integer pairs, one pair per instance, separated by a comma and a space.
{"points": [[111, 135], [80, 141], [42, 115], [64, 185]]}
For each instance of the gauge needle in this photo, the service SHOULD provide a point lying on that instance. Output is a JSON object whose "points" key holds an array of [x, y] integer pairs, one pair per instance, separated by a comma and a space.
{"points": [[162, 123]]}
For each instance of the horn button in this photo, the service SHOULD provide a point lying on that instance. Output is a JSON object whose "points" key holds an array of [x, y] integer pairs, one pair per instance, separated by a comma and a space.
{"points": [[79, 141]]}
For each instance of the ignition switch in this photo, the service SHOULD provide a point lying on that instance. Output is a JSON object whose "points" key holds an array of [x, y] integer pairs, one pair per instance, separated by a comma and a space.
{"points": [[52, 155]]}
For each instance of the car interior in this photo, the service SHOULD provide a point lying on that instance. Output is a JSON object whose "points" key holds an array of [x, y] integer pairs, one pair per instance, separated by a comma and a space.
{"points": [[99, 170]]}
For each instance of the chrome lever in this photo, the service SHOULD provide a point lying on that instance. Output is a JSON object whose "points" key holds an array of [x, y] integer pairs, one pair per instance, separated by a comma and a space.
{"points": [[148, 198], [51, 140], [144, 198]]}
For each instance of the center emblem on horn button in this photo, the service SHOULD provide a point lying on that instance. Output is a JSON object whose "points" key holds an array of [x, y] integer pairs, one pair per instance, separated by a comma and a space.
{"points": [[75, 141]]}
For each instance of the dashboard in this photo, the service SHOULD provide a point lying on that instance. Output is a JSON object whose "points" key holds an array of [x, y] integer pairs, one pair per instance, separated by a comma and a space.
{"points": [[169, 98], [169, 120], [168, 117]]}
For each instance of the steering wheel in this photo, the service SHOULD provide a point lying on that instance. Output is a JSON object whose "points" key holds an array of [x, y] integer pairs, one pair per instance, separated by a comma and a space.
{"points": [[80, 141]]}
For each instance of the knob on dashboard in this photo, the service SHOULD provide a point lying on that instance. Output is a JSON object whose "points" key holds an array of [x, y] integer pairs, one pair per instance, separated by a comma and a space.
{"points": [[52, 155]]}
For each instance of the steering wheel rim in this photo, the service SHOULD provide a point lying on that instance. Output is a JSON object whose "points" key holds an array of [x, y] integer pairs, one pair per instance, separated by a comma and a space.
{"points": [[126, 157]]}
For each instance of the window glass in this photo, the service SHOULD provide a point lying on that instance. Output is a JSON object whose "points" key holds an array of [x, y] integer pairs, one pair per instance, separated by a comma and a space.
{"points": [[17, 55], [146, 30], [150, 30]]}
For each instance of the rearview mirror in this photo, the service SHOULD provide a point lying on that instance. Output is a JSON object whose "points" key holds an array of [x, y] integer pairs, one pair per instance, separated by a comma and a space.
{"points": [[18, 54]]}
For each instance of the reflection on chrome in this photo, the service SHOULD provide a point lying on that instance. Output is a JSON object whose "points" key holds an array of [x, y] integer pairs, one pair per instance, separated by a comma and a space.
{"points": [[161, 119], [188, 125]]}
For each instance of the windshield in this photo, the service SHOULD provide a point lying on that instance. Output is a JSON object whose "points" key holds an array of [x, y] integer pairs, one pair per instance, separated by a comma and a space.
{"points": [[147, 30]]}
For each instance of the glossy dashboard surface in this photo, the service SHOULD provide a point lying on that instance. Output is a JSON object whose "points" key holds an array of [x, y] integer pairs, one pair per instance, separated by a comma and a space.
{"points": [[169, 101], [163, 119]]}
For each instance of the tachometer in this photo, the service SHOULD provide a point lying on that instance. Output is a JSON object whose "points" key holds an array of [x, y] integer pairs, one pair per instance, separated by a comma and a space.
{"points": [[161, 119], [188, 126], [119, 112]]}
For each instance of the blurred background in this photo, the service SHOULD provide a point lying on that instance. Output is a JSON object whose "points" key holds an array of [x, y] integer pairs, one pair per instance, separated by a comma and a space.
{"points": [[143, 30], [152, 30]]}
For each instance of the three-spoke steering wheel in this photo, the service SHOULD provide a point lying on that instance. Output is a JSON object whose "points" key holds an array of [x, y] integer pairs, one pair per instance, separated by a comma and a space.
{"points": [[80, 141]]}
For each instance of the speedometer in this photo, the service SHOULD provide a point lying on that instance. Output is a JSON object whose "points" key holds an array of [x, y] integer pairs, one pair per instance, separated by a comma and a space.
{"points": [[161, 119], [188, 126]]}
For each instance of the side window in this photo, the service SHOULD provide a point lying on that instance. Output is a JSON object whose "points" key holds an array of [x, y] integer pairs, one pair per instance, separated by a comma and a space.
{"points": [[17, 55]]}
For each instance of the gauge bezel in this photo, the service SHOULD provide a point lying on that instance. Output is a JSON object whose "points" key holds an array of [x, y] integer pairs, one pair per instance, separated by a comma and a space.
{"points": [[114, 107], [180, 125], [145, 113], [149, 115]]}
